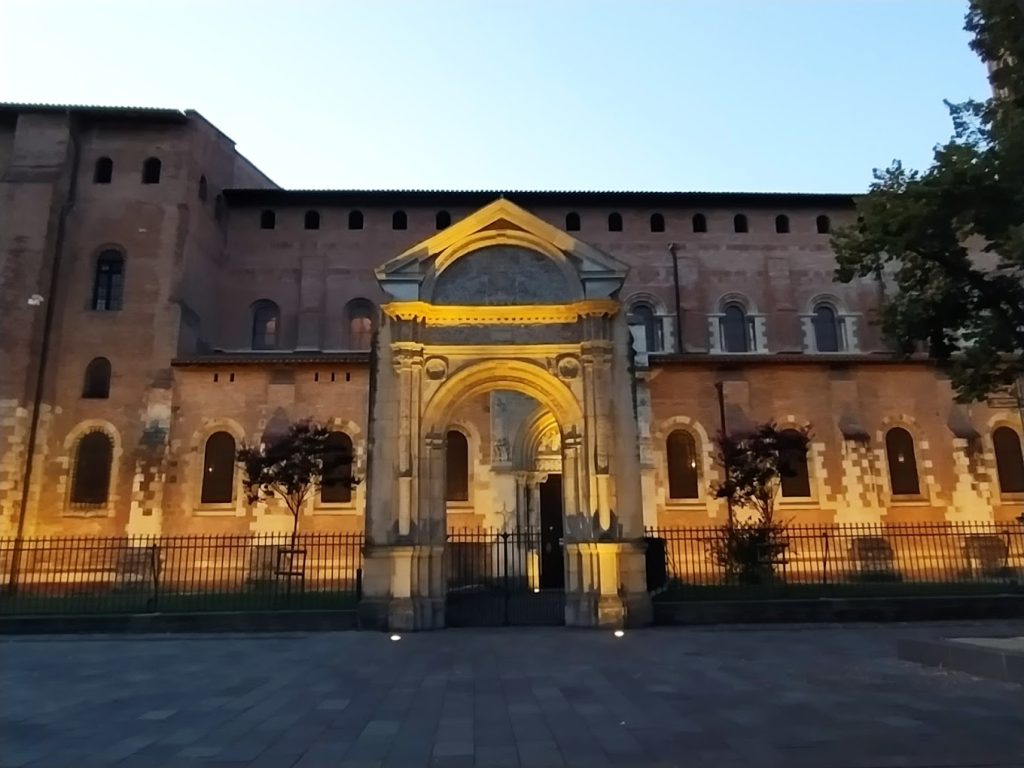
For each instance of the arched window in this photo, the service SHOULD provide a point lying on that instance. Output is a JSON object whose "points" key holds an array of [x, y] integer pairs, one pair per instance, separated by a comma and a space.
{"points": [[442, 220], [824, 225], [268, 220], [312, 220], [360, 314], [108, 284], [399, 220], [456, 466], [572, 222], [151, 171], [266, 321], [657, 222], [826, 329], [735, 328], [91, 481], [97, 379], [782, 224], [337, 485], [681, 454], [104, 171], [1009, 460], [642, 314], [219, 469], [614, 222], [700, 222], [739, 224], [794, 478], [202, 188], [355, 219], [899, 448]]}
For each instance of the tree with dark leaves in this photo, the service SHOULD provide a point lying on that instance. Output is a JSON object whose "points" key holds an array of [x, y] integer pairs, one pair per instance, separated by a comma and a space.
{"points": [[753, 465], [290, 466], [947, 243]]}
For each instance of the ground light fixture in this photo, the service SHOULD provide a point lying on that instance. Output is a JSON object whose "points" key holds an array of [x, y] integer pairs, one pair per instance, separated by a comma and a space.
{"points": [[395, 638], [619, 633]]}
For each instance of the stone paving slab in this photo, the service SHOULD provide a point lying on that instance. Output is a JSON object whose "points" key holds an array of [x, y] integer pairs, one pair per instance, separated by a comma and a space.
{"points": [[823, 696]]}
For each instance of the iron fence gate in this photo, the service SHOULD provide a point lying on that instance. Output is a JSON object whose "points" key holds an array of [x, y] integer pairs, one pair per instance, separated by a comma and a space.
{"points": [[495, 579]]}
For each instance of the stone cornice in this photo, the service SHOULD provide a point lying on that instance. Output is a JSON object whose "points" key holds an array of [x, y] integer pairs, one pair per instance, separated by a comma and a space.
{"points": [[530, 314]]}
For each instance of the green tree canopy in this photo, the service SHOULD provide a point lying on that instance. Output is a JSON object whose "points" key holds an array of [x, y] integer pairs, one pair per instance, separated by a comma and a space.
{"points": [[949, 241]]}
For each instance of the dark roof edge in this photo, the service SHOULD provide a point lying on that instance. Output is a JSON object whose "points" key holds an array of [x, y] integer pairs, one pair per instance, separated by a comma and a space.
{"points": [[155, 114], [482, 197]]}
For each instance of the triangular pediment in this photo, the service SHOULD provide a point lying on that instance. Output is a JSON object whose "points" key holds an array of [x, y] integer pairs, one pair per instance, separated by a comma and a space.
{"points": [[504, 222]]}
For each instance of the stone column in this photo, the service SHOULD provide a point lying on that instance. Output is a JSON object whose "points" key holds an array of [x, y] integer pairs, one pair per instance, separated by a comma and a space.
{"points": [[403, 581]]}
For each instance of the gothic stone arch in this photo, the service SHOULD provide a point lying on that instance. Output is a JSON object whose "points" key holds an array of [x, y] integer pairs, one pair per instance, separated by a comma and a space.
{"points": [[537, 314]]}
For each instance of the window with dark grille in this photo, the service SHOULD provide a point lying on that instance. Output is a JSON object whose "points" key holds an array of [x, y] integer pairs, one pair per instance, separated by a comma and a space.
{"points": [[614, 222], [91, 481], [826, 329], [442, 220], [104, 171], [266, 319], [456, 466], [108, 285], [312, 220], [219, 469], [361, 314], [735, 329], [681, 454], [97, 379], [1009, 460], [355, 219], [572, 222], [700, 222], [643, 314], [399, 220], [202, 188], [739, 224], [899, 448], [151, 171], [795, 480], [657, 222], [268, 220], [337, 484], [782, 224], [824, 225]]}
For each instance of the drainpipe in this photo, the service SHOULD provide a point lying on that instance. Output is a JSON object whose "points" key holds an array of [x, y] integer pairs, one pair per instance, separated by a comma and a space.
{"points": [[720, 387], [679, 308], [44, 350]]}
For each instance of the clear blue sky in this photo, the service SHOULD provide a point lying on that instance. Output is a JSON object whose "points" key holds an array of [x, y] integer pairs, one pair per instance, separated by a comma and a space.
{"points": [[753, 95]]}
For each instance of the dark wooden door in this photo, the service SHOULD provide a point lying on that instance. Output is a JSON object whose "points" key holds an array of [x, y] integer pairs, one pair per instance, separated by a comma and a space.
{"points": [[552, 562]]}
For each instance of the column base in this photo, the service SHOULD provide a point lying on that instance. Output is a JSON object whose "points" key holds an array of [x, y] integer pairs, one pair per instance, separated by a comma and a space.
{"points": [[403, 588], [607, 585]]}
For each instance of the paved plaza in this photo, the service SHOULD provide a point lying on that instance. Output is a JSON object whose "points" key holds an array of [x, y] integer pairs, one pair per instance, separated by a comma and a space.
{"points": [[717, 697]]}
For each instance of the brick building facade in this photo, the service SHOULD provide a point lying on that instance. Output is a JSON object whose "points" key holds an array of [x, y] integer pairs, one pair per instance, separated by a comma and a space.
{"points": [[159, 290]]}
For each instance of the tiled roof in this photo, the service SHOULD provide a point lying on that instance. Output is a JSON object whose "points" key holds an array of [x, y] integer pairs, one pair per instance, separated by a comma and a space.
{"points": [[97, 110]]}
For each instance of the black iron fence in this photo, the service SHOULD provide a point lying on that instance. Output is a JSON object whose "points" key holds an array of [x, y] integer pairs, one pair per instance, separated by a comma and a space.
{"points": [[498, 577], [857, 559], [180, 573]]}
